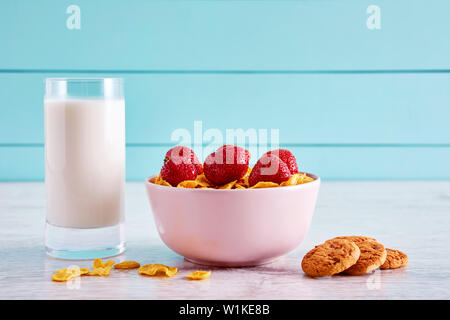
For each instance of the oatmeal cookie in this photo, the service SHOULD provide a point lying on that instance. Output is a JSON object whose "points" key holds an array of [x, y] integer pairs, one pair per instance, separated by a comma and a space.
{"points": [[331, 257], [373, 255], [395, 259]]}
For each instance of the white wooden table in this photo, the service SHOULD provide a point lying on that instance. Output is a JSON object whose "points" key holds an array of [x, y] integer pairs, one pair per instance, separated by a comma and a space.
{"points": [[412, 216]]}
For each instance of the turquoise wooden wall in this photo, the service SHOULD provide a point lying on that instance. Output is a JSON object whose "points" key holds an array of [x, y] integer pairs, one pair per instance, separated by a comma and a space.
{"points": [[351, 102]]}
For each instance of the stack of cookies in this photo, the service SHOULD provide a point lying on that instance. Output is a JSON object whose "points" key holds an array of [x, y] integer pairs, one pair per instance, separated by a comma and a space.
{"points": [[352, 255]]}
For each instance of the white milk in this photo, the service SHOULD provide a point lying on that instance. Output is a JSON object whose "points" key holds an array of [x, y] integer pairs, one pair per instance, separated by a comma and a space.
{"points": [[85, 162]]}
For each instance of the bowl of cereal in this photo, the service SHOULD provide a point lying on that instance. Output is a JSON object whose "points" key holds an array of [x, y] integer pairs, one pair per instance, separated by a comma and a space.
{"points": [[252, 220]]}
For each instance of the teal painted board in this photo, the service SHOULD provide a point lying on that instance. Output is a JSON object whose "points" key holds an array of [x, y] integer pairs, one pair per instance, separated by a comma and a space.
{"points": [[347, 163], [332, 163], [308, 109], [225, 35], [22, 163]]}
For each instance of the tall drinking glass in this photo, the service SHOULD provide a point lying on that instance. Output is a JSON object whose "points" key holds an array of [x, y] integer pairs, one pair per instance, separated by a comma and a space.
{"points": [[84, 167]]}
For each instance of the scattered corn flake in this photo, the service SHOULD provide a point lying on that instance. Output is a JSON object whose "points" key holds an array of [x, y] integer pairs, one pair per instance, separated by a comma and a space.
{"points": [[100, 271], [84, 271], [199, 275], [63, 276], [127, 265], [75, 270], [109, 263], [187, 184], [265, 184], [67, 274], [157, 269], [67, 270], [98, 263]]}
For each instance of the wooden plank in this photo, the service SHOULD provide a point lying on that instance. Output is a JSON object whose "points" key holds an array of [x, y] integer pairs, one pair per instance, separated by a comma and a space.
{"points": [[343, 163], [357, 108], [225, 35], [406, 215]]}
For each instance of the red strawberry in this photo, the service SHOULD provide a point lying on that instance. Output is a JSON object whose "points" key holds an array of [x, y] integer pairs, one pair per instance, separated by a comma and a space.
{"points": [[227, 164], [174, 172], [287, 157], [184, 154], [269, 168]]}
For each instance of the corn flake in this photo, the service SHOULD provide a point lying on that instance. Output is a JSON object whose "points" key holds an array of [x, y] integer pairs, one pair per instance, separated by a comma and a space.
{"points": [[78, 271], [202, 181], [100, 272], [84, 271], [228, 185], [157, 269], [63, 276], [293, 180], [199, 275], [247, 174], [243, 182], [101, 269], [161, 182], [127, 265], [67, 274], [187, 184], [303, 178], [98, 263], [109, 263], [265, 184]]}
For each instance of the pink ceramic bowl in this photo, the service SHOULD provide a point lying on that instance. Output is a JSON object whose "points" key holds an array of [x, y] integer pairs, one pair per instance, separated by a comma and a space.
{"points": [[238, 227]]}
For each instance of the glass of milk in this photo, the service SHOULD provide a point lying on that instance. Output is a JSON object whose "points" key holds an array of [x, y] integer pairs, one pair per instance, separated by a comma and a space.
{"points": [[84, 167]]}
